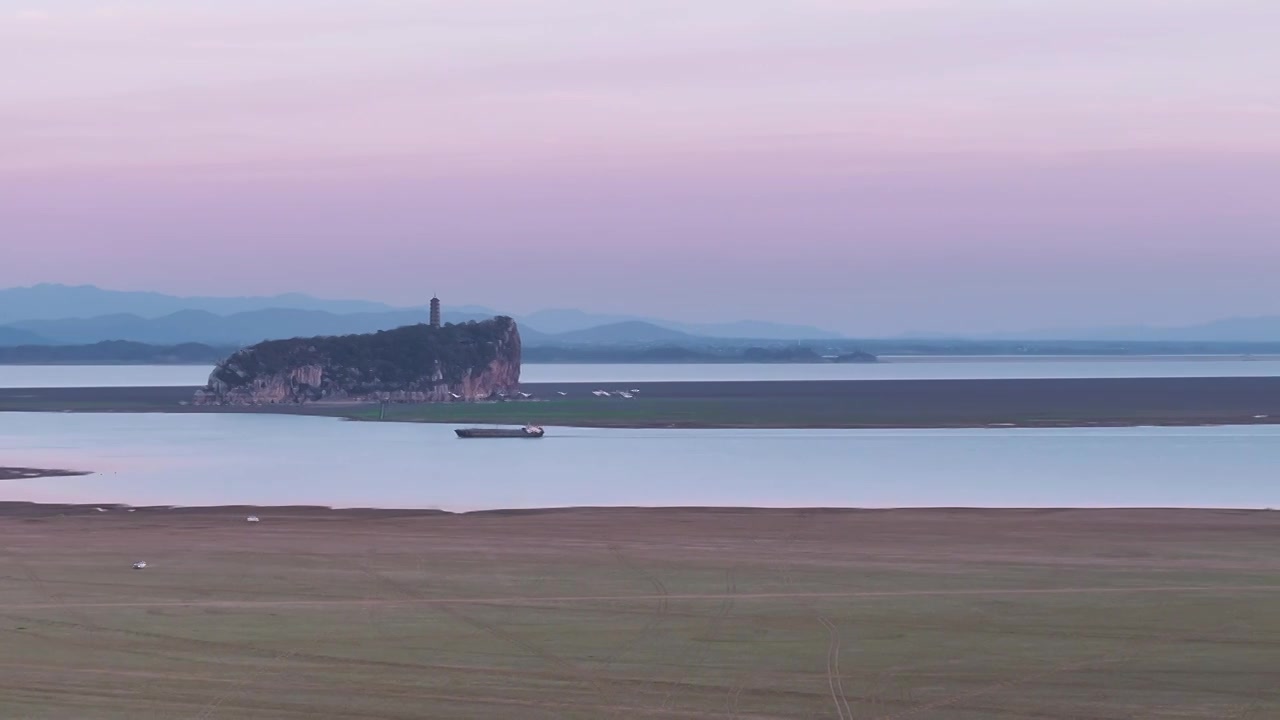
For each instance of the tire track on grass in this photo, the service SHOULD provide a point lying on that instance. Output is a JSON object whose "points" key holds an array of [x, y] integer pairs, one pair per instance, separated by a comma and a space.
{"points": [[835, 681]]}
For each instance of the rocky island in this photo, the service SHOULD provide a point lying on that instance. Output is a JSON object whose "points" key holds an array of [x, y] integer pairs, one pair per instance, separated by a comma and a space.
{"points": [[416, 363]]}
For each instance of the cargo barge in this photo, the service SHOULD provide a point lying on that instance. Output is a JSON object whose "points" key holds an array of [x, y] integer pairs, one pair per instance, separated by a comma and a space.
{"points": [[529, 431]]}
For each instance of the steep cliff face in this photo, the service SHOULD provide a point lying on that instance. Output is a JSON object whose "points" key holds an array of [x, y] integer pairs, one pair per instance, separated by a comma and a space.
{"points": [[417, 363]]}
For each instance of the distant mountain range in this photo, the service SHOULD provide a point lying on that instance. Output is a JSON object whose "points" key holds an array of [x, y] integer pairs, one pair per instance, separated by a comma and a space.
{"points": [[62, 314], [49, 301], [565, 321], [619, 333], [200, 326], [51, 314], [10, 336]]}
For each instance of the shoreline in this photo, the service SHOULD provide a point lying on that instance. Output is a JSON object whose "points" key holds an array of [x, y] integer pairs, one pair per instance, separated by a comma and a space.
{"points": [[22, 508], [799, 404]]}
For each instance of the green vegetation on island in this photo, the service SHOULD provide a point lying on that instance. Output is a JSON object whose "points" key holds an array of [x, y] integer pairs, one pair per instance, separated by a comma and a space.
{"points": [[422, 362]]}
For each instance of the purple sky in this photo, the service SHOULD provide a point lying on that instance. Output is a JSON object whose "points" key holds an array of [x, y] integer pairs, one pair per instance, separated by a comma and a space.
{"points": [[872, 166]]}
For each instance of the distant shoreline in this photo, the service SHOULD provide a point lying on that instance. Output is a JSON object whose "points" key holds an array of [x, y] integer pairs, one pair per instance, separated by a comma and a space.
{"points": [[885, 358], [800, 404]]}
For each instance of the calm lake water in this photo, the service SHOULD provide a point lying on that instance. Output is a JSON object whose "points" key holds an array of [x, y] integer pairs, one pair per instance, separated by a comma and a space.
{"points": [[262, 459], [22, 376]]}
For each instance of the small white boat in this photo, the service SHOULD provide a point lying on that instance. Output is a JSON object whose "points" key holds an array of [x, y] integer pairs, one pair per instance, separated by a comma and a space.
{"points": [[141, 564]]}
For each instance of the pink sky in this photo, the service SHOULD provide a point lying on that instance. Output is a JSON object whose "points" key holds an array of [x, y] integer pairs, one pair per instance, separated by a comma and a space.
{"points": [[874, 166]]}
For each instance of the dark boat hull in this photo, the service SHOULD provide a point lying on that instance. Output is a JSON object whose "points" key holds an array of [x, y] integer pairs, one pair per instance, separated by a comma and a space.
{"points": [[496, 433]]}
